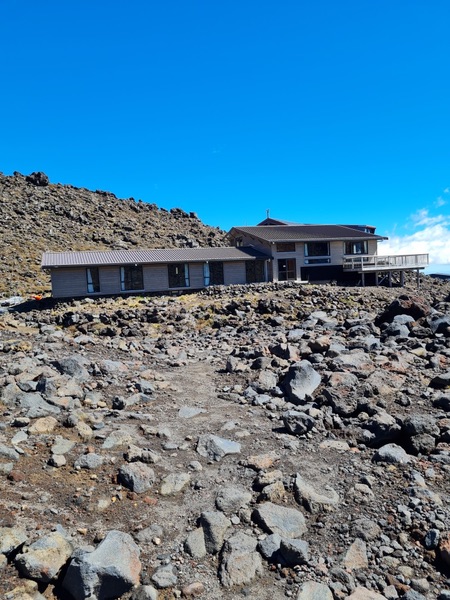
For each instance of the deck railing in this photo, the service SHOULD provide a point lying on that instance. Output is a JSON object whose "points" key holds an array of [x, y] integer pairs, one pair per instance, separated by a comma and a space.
{"points": [[376, 262]]}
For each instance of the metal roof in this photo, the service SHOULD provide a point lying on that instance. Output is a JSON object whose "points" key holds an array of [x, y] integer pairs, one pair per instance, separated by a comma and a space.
{"points": [[305, 233], [159, 255]]}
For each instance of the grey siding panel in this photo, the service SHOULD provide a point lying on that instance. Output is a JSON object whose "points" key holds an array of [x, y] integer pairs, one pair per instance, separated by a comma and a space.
{"points": [[109, 280], [234, 273], [196, 275], [68, 282], [156, 278]]}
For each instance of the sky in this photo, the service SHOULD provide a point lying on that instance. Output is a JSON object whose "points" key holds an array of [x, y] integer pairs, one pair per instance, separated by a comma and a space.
{"points": [[318, 111]]}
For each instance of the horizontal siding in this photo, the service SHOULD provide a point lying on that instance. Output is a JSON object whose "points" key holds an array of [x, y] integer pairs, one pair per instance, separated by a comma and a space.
{"points": [[109, 280], [234, 273], [156, 278], [196, 275], [68, 282], [72, 282]]}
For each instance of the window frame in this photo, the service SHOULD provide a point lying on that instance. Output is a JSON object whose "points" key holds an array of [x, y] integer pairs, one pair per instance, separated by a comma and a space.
{"points": [[285, 247], [213, 273], [178, 279], [351, 246], [255, 271], [291, 269], [92, 280], [128, 277], [316, 255]]}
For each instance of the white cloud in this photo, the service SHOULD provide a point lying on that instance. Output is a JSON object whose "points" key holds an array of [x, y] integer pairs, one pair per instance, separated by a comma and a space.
{"points": [[440, 202], [423, 218], [432, 239]]}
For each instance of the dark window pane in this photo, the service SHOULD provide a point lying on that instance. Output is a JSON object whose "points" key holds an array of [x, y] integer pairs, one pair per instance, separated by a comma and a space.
{"points": [[286, 247], [254, 271], [178, 275], [287, 269], [93, 280], [317, 249], [356, 247], [216, 273], [131, 278]]}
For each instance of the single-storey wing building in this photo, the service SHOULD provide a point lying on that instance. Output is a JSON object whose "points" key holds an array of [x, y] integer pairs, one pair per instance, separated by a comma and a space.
{"points": [[76, 274]]}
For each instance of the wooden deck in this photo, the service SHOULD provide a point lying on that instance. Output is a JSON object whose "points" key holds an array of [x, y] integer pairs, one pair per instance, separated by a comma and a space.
{"points": [[395, 262]]}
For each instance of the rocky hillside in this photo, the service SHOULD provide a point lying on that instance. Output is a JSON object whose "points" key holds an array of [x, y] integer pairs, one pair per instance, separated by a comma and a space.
{"points": [[37, 215], [266, 442]]}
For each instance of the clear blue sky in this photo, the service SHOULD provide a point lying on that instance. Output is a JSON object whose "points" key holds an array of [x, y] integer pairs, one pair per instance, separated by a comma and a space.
{"points": [[321, 111]]}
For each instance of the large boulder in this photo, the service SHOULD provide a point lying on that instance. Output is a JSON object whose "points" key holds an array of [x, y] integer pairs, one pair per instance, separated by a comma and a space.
{"points": [[301, 381], [111, 570]]}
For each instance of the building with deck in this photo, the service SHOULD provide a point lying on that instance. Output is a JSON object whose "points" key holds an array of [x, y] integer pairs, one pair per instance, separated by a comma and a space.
{"points": [[274, 250]]}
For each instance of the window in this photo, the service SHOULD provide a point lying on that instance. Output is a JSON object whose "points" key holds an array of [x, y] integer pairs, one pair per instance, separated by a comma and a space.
{"points": [[286, 247], [131, 278], [317, 253], [178, 275], [213, 273], [317, 249], [287, 269], [254, 271], [355, 247], [93, 280]]}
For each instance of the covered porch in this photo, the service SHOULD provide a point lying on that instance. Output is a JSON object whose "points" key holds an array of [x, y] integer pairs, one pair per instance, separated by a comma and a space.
{"points": [[384, 267]]}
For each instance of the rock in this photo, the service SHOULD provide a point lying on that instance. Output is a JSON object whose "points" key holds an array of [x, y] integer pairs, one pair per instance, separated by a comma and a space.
{"points": [[111, 570], [11, 538], [43, 425], [312, 590], [366, 529], [215, 526], [444, 548], [362, 593], [298, 423], [391, 453], [38, 178], [311, 499], [356, 556], [74, 366], [215, 448], [34, 406], [441, 381], [88, 461], [174, 483], [137, 477], [287, 522], [442, 402], [195, 543], [231, 498], [187, 412], [145, 592], [413, 306], [193, 590], [240, 562], [165, 576], [293, 552], [44, 559], [270, 546], [301, 381]]}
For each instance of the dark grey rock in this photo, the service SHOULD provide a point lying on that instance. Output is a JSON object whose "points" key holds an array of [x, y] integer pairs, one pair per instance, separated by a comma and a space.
{"points": [[111, 570], [137, 477], [301, 381]]}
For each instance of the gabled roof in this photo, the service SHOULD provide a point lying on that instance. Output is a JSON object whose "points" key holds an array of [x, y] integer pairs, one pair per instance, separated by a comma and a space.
{"points": [[155, 256], [304, 233]]}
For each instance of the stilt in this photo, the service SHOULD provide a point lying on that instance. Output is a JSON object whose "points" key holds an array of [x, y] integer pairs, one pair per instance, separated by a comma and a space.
{"points": [[363, 280], [418, 279], [402, 278], [390, 278], [376, 278]]}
